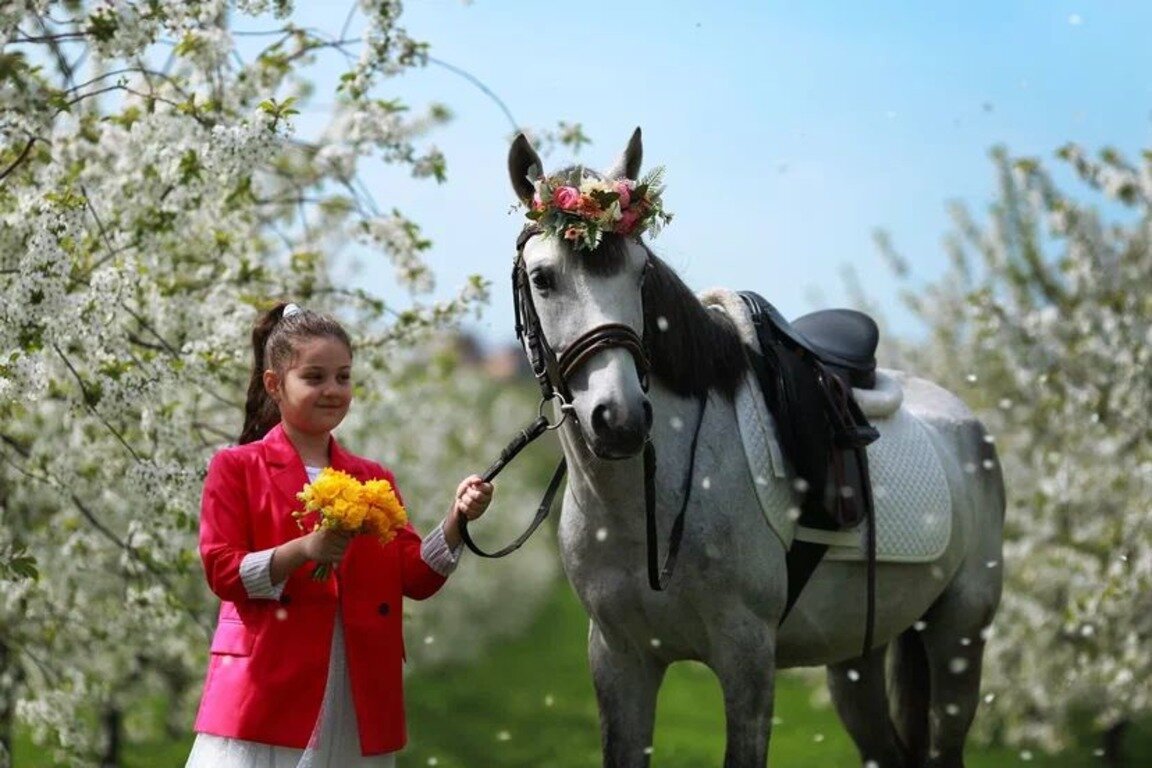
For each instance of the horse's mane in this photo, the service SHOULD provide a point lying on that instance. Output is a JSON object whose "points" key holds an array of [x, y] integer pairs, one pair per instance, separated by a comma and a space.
{"points": [[692, 348]]}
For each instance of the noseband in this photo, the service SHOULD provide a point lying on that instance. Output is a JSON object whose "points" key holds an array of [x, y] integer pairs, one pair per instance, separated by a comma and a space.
{"points": [[551, 371]]}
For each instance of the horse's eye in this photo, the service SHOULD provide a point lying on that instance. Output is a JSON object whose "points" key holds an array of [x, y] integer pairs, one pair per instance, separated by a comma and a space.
{"points": [[542, 280]]}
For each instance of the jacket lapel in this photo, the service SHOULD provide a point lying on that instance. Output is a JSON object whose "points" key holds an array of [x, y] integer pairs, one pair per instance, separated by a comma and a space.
{"points": [[284, 467], [344, 461]]}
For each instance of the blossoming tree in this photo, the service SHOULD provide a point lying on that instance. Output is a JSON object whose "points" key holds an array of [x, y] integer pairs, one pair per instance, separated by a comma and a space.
{"points": [[1044, 324], [152, 196]]}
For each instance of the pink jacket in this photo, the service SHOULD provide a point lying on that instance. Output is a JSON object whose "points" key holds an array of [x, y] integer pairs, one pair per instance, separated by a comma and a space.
{"points": [[269, 659]]}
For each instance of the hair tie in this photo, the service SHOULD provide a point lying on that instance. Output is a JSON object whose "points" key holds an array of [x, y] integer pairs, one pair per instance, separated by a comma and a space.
{"points": [[291, 309]]}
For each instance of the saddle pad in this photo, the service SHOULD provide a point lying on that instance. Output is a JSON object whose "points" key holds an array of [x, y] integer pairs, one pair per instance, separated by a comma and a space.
{"points": [[909, 486]]}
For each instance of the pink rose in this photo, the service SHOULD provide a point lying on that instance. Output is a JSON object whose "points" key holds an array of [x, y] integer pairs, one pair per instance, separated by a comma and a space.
{"points": [[627, 222], [566, 198], [537, 203], [624, 189], [573, 233]]}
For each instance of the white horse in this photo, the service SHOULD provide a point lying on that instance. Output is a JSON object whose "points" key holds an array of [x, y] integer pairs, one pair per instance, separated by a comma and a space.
{"points": [[724, 602]]}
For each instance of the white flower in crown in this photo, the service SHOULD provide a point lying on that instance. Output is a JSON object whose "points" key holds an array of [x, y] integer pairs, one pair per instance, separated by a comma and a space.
{"points": [[582, 213]]}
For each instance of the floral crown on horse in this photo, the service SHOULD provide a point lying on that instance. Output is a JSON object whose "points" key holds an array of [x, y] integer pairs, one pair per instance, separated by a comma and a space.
{"points": [[582, 212]]}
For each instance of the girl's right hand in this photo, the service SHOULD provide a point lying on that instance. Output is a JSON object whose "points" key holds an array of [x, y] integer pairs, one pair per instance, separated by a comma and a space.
{"points": [[326, 545]]}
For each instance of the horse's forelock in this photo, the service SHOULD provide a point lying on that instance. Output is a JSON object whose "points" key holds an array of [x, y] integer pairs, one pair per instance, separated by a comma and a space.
{"points": [[691, 348]]}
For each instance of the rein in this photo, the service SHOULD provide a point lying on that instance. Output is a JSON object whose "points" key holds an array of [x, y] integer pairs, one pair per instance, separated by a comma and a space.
{"points": [[551, 373]]}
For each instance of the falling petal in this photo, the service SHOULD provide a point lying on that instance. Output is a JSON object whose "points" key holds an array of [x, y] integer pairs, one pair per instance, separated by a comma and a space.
{"points": [[662, 323], [958, 665], [706, 483], [601, 534], [853, 675]]}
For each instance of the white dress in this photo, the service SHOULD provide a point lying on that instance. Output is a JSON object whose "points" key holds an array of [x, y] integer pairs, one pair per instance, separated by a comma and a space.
{"points": [[335, 741]]}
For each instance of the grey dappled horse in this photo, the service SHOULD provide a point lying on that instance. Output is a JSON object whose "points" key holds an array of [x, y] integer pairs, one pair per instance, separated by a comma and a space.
{"points": [[723, 604]]}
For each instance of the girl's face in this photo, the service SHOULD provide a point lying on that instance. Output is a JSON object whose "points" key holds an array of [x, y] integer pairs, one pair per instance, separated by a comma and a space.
{"points": [[315, 391]]}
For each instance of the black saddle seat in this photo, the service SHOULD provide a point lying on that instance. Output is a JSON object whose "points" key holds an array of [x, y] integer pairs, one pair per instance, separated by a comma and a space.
{"points": [[843, 338]]}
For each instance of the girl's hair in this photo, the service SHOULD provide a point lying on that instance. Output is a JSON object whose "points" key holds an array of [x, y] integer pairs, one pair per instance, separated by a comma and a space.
{"points": [[274, 339]]}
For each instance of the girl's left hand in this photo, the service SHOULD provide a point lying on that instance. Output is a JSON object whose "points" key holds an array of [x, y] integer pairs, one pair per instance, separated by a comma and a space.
{"points": [[473, 496]]}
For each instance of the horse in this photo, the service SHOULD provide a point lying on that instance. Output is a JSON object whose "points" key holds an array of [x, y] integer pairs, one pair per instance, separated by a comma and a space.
{"points": [[645, 362]]}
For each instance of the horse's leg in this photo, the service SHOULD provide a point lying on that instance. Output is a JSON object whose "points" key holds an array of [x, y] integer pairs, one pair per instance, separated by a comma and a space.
{"points": [[859, 692], [626, 680], [746, 667], [954, 646]]}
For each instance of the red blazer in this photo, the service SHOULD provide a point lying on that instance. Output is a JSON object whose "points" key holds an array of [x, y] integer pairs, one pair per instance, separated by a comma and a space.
{"points": [[269, 659]]}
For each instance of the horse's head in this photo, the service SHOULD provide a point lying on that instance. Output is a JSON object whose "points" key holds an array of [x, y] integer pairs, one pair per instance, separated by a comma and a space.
{"points": [[577, 282]]}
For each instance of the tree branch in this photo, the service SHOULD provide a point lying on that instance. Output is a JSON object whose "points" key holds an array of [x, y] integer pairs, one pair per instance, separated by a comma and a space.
{"points": [[23, 154]]}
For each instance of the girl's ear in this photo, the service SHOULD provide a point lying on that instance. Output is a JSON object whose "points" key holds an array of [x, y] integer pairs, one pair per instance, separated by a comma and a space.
{"points": [[272, 384]]}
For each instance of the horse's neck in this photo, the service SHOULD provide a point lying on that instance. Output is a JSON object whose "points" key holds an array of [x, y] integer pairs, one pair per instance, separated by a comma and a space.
{"points": [[613, 491], [603, 489]]}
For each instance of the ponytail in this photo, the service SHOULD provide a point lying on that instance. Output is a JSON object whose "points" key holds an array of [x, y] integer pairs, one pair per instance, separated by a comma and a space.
{"points": [[272, 348], [260, 411]]}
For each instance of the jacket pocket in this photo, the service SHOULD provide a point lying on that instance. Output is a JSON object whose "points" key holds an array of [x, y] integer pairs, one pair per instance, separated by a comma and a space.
{"points": [[232, 638]]}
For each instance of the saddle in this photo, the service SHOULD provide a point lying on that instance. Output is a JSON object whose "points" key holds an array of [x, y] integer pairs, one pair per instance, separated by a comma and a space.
{"points": [[807, 370]]}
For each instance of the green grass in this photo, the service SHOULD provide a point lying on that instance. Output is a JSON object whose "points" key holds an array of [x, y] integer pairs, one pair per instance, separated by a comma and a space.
{"points": [[529, 703]]}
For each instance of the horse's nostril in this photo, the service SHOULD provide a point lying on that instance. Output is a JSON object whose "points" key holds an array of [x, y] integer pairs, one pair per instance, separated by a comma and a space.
{"points": [[647, 415], [601, 416]]}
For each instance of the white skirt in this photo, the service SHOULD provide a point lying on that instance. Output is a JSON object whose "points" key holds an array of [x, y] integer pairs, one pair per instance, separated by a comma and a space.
{"points": [[335, 742]]}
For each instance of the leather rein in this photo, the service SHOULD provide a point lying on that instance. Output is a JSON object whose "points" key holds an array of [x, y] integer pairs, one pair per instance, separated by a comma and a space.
{"points": [[551, 373]]}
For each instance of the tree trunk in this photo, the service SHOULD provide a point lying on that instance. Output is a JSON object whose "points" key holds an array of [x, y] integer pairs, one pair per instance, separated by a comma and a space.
{"points": [[7, 705], [1113, 743], [113, 725]]}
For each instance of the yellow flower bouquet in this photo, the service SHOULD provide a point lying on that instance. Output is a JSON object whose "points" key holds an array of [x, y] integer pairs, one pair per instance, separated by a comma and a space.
{"points": [[346, 504]]}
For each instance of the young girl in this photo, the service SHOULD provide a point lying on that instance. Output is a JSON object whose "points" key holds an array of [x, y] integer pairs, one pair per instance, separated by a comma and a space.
{"points": [[306, 673]]}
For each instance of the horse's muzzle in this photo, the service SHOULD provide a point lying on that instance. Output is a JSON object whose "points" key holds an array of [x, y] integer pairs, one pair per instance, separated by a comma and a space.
{"points": [[614, 434]]}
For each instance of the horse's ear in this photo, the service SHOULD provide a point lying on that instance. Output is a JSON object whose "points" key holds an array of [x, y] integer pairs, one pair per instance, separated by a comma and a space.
{"points": [[628, 166], [524, 167]]}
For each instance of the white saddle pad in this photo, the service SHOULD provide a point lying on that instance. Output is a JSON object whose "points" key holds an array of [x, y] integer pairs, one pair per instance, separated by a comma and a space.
{"points": [[909, 486]]}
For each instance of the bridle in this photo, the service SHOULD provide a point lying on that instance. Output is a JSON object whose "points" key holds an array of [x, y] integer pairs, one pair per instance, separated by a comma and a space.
{"points": [[552, 373]]}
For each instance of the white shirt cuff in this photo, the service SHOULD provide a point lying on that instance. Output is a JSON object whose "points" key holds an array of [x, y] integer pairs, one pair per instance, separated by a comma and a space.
{"points": [[437, 554], [256, 573]]}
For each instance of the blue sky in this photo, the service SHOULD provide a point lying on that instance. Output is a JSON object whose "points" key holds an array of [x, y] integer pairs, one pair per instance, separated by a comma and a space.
{"points": [[789, 131]]}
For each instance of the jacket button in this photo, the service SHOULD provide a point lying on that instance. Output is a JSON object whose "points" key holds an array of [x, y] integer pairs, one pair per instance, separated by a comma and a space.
{"points": [[383, 609], [285, 599]]}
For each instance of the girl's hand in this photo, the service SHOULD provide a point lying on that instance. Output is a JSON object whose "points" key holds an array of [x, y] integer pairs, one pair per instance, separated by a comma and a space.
{"points": [[326, 545], [473, 496]]}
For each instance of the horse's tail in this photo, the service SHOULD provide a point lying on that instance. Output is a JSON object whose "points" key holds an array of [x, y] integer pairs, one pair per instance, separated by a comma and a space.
{"points": [[909, 688]]}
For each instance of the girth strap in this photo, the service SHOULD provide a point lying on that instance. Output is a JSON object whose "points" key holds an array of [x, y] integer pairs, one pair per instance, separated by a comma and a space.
{"points": [[658, 575]]}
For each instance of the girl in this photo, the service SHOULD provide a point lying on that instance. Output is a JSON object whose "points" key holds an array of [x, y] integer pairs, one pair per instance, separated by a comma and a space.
{"points": [[306, 673]]}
